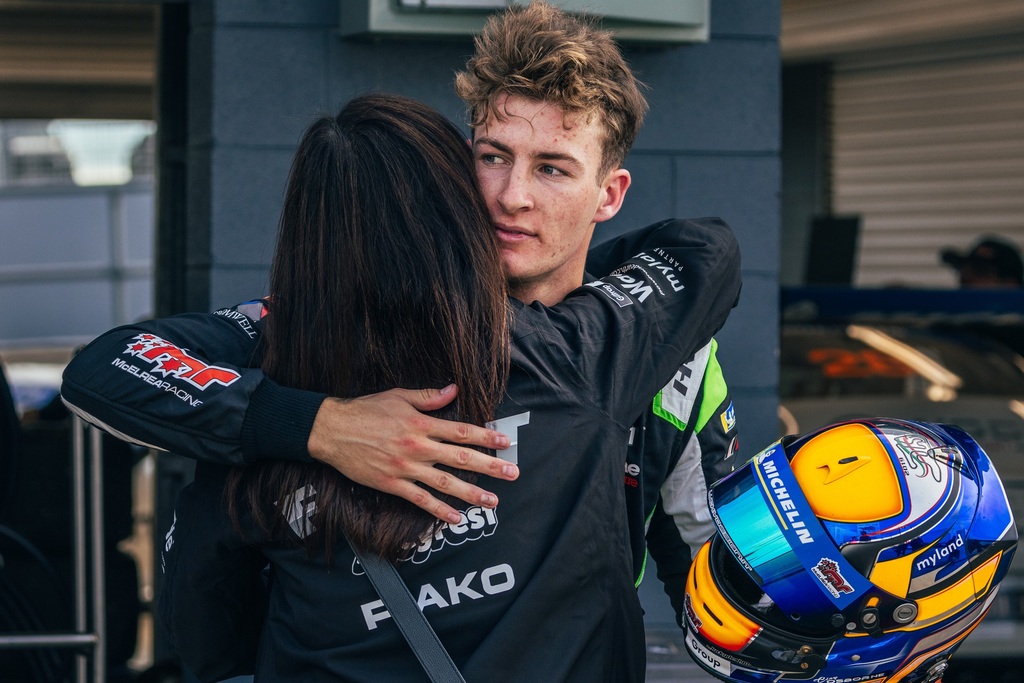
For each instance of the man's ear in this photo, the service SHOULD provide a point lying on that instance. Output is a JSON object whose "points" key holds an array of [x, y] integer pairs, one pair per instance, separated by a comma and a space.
{"points": [[613, 191]]}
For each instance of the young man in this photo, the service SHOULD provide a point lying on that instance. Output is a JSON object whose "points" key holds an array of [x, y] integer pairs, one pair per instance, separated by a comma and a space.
{"points": [[550, 134]]}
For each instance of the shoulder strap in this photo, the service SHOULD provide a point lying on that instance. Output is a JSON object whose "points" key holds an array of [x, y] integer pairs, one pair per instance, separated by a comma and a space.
{"points": [[410, 620]]}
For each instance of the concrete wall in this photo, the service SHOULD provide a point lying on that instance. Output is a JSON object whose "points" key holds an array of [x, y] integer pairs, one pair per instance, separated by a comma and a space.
{"points": [[260, 70]]}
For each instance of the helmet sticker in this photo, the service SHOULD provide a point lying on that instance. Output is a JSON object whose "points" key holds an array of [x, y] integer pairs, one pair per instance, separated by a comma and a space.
{"points": [[831, 577], [709, 660]]}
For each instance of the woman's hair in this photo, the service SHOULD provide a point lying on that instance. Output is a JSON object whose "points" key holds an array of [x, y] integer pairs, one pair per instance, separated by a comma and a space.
{"points": [[542, 53], [386, 274]]}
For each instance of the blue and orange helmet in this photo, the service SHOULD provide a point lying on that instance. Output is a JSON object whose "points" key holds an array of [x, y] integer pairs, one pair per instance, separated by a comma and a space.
{"points": [[864, 551]]}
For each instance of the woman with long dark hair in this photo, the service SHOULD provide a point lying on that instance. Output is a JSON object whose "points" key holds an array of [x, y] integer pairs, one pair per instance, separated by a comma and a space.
{"points": [[386, 273]]}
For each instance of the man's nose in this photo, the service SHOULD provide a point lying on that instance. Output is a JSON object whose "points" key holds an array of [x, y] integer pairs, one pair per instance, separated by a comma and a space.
{"points": [[516, 194]]}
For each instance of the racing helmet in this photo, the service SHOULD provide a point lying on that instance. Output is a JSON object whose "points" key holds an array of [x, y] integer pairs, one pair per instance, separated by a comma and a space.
{"points": [[864, 551]]}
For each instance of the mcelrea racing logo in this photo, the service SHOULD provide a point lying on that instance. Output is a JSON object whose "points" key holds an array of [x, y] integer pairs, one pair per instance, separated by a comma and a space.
{"points": [[168, 359]]}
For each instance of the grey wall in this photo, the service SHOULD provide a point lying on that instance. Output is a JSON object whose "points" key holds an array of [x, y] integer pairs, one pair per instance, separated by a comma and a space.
{"points": [[259, 71]]}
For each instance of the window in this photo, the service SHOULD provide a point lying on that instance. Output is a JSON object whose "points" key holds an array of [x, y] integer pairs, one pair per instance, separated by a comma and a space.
{"points": [[35, 152]]}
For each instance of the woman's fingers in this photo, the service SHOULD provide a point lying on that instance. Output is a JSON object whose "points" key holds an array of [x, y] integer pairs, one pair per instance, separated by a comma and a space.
{"points": [[448, 430], [385, 442], [424, 499]]}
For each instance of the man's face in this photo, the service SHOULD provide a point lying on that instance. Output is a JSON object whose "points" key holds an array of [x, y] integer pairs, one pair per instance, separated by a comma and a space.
{"points": [[540, 181]]}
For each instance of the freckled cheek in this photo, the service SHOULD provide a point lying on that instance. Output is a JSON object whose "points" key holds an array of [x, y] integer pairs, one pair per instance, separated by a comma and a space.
{"points": [[486, 185], [490, 196], [566, 216]]}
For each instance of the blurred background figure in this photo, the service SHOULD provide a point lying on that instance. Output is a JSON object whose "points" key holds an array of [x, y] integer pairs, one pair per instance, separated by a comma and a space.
{"points": [[992, 262]]}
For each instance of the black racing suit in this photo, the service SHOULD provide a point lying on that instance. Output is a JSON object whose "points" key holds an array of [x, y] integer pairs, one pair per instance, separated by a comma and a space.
{"points": [[544, 595], [685, 442]]}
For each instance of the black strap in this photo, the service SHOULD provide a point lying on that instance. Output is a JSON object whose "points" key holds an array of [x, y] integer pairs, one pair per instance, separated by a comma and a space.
{"points": [[410, 620]]}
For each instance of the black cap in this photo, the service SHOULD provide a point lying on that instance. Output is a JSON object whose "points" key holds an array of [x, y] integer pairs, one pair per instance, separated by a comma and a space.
{"points": [[990, 255]]}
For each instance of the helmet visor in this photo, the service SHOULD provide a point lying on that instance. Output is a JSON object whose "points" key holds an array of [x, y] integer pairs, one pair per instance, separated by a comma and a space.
{"points": [[769, 527]]}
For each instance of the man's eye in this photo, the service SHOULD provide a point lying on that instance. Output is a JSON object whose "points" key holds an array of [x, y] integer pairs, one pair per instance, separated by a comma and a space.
{"points": [[551, 170], [490, 158]]}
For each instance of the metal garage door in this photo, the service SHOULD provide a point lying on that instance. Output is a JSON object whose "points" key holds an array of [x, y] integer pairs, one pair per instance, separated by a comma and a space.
{"points": [[928, 148]]}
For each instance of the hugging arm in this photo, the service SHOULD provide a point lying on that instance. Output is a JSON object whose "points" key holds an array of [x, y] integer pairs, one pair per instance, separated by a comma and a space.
{"points": [[686, 437], [684, 273], [191, 384]]}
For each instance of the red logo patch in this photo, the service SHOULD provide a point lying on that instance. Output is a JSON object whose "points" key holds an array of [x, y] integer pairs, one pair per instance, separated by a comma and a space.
{"points": [[828, 573], [168, 359]]}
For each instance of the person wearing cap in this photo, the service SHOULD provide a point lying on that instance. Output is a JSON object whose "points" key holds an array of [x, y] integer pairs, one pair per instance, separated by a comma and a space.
{"points": [[992, 262]]}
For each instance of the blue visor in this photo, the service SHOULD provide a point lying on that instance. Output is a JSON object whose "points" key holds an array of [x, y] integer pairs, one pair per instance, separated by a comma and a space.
{"points": [[769, 527]]}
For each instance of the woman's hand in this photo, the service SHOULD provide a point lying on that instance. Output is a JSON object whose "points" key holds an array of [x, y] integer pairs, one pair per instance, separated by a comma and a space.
{"points": [[384, 441]]}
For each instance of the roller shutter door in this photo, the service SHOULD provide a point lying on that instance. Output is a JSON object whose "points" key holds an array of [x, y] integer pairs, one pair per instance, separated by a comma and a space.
{"points": [[928, 148], [77, 60]]}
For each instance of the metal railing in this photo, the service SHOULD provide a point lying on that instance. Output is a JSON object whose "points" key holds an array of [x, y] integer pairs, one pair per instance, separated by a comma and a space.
{"points": [[89, 637]]}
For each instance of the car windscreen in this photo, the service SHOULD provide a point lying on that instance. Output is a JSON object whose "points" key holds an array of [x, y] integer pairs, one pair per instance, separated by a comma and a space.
{"points": [[866, 360]]}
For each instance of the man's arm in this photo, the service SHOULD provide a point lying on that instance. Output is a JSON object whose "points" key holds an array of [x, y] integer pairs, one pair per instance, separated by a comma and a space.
{"points": [[395, 453], [605, 257], [684, 273], [154, 383], [704, 452], [672, 558]]}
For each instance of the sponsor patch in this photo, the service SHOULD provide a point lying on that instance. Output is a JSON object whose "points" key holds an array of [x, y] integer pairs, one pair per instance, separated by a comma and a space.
{"points": [[827, 571], [940, 554], [734, 445], [612, 292], [244, 315], [298, 508], [675, 402], [706, 658], [476, 523], [917, 457], [691, 614], [253, 309], [640, 284], [728, 417], [509, 426], [475, 585], [169, 360]]}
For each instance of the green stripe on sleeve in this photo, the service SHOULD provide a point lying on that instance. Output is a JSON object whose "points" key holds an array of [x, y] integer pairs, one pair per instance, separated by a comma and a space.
{"points": [[715, 389]]}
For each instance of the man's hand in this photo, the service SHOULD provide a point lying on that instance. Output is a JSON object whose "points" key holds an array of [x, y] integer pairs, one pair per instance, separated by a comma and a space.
{"points": [[385, 442]]}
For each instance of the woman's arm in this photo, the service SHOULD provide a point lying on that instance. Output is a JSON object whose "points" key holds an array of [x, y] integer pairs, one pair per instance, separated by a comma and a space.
{"points": [[155, 383]]}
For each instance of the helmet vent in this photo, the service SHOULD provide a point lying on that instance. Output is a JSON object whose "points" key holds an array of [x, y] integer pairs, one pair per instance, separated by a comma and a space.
{"points": [[713, 615]]}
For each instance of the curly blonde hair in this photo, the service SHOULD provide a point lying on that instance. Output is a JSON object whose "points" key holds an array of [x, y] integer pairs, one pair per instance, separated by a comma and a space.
{"points": [[542, 53]]}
